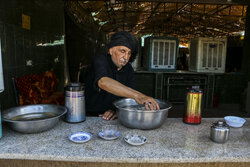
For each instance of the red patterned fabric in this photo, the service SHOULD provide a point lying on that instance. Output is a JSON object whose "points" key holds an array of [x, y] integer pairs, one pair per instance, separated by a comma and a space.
{"points": [[49, 82], [39, 89], [55, 98], [24, 83]]}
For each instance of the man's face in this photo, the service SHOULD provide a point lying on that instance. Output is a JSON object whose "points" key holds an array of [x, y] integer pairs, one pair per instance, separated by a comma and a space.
{"points": [[120, 55]]}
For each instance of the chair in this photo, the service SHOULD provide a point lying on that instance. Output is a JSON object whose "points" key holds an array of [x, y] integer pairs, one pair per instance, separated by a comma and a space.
{"points": [[16, 92], [37, 89]]}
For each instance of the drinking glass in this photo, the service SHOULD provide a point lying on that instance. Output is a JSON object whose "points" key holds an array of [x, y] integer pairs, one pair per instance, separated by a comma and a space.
{"points": [[109, 130]]}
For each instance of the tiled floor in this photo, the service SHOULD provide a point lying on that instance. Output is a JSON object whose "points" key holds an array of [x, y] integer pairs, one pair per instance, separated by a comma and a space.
{"points": [[222, 110]]}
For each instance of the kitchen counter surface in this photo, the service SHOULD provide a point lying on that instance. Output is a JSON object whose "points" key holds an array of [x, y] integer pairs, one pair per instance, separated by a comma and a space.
{"points": [[186, 72], [174, 72], [173, 142]]}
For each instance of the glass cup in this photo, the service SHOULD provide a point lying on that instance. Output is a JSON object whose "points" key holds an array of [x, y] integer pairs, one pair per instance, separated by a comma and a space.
{"points": [[109, 130]]}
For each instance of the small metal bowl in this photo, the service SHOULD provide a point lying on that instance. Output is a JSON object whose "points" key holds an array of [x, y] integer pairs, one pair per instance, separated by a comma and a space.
{"points": [[33, 118]]}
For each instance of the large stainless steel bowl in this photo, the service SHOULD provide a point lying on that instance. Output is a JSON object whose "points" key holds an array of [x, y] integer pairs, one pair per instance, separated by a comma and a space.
{"points": [[33, 118], [133, 115]]}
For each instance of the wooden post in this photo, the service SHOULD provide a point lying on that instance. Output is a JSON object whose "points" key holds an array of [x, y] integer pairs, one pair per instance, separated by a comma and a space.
{"points": [[246, 48]]}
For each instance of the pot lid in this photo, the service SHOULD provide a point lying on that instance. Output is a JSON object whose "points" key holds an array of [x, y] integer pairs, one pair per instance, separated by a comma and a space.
{"points": [[220, 125]]}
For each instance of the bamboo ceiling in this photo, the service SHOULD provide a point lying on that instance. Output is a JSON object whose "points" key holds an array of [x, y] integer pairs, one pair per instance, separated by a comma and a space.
{"points": [[179, 18]]}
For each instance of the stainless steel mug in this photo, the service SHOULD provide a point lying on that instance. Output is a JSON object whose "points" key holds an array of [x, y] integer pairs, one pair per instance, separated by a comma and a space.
{"points": [[75, 103], [219, 132]]}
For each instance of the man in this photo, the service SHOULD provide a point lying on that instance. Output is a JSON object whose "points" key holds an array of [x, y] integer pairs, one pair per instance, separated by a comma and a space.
{"points": [[111, 78]]}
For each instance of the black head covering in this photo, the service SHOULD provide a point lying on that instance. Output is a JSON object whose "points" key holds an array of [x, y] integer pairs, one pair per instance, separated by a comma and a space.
{"points": [[124, 38]]}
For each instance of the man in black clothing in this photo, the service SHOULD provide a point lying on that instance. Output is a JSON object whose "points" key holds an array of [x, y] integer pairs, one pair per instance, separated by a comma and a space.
{"points": [[111, 78]]}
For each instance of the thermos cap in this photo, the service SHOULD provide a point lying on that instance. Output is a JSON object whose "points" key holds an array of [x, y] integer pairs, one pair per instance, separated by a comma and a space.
{"points": [[194, 90], [74, 86]]}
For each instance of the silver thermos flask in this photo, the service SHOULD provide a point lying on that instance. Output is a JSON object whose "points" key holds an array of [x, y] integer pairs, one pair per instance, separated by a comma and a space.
{"points": [[0, 124], [75, 103]]}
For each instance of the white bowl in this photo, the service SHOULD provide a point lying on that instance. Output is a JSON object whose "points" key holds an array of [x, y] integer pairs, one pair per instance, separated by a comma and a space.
{"points": [[234, 121]]}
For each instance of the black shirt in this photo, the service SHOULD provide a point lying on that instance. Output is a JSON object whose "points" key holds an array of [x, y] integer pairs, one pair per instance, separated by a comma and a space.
{"points": [[97, 100]]}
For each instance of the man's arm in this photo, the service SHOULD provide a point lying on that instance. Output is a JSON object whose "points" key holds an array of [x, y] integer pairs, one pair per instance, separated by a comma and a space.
{"points": [[114, 87]]}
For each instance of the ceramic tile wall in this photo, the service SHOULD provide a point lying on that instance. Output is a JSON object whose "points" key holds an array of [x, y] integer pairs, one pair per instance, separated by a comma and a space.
{"points": [[20, 45]]}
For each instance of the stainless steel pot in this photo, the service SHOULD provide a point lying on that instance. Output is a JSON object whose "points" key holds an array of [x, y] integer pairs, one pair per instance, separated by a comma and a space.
{"points": [[133, 115], [33, 118], [219, 132]]}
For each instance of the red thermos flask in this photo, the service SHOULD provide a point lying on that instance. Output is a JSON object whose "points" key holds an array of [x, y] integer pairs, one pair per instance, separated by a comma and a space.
{"points": [[192, 114]]}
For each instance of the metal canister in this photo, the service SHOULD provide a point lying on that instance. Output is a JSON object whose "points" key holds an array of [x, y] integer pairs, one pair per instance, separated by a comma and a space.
{"points": [[219, 132], [75, 103], [193, 104]]}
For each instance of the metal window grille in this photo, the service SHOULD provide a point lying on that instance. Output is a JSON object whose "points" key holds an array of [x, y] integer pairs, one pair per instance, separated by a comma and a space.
{"points": [[163, 54]]}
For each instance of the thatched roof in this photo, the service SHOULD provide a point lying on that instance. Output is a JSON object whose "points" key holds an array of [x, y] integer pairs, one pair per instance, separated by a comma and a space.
{"points": [[177, 18]]}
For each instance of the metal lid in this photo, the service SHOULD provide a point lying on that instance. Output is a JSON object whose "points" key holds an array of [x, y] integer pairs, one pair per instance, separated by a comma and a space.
{"points": [[220, 125], [194, 90], [74, 86]]}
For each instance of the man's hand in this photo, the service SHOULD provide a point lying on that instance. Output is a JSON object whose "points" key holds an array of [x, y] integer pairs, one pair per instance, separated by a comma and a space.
{"points": [[148, 102], [114, 87], [109, 115]]}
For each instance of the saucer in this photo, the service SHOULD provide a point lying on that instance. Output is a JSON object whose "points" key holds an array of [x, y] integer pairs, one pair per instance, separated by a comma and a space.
{"points": [[80, 137], [135, 140], [109, 137]]}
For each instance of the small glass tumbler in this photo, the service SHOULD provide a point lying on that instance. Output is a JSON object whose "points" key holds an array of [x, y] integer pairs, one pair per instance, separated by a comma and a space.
{"points": [[109, 130]]}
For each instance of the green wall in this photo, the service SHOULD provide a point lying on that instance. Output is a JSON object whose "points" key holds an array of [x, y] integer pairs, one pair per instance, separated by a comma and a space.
{"points": [[145, 83], [229, 88]]}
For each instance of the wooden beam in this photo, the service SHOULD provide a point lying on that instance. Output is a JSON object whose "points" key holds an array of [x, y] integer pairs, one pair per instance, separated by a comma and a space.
{"points": [[124, 15], [153, 11], [212, 2], [111, 15]]}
